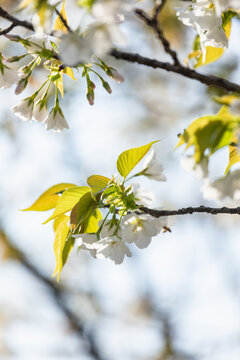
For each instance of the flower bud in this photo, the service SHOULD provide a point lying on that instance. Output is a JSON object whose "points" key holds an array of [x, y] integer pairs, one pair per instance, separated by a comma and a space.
{"points": [[21, 86], [117, 76], [107, 87], [90, 98]]}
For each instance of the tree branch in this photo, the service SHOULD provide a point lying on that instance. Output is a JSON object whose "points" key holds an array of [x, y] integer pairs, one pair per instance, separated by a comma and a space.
{"points": [[58, 295], [209, 80], [154, 24], [7, 30], [16, 22], [191, 210]]}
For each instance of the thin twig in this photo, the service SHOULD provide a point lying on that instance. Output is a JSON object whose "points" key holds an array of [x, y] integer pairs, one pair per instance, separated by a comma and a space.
{"points": [[191, 210], [64, 21], [7, 30], [154, 24]]}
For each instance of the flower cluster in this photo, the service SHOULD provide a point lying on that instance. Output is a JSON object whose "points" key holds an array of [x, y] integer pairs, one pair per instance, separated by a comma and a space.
{"points": [[133, 228], [57, 54], [125, 220]]}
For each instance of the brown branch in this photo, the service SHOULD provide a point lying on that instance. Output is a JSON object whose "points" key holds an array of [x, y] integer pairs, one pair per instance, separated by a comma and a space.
{"points": [[16, 22], [191, 210], [7, 30], [209, 80]]}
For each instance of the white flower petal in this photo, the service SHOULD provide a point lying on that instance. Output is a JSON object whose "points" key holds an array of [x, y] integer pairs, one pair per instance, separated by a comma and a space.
{"points": [[24, 110]]}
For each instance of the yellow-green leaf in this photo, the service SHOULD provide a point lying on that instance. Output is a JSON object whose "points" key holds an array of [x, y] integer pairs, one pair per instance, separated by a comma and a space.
{"points": [[59, 83], [48, 200], [97, 182], [59, 25], [82, 209], [127, 160], [69, 71], [210, 132], [68, 200], [212, 53], [91, 225], [59, 243], [228, 99], [234, 155]]}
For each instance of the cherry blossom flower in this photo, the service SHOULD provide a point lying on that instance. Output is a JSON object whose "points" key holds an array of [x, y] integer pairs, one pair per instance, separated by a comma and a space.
{"points": [[200, 170], [226, 187], [111, 11], [8, 77], [142, 196], [202, 16], [56, 120], [86, 242], [24, 109], [40, 112], [152, 168], [74, 49], [113, 248], [141, 228]]}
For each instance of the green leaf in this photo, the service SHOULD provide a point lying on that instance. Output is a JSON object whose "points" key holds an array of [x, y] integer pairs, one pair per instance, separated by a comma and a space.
{"points": [[67, 249], [48, 200], [234, 155], [97, 182], [59, 243], [68, 200], [91, 224], [210, 133], [127, 160], [82, 209]]}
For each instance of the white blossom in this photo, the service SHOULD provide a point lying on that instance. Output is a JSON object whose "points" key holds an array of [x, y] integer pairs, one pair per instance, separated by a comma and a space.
{"points": [[202, 16], [152, 168], [142, 196], [111, 11], [42, 20], [113, 248], [200, 170], [40, 112], [226, 187], [56, 120], [223, 5], [86, 242], [24, 109], [141, 228], [8, 77], [74, 49]]}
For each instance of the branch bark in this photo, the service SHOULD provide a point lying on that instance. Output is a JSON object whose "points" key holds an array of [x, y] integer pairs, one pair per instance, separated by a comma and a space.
{"points": [[191, 210], [209, 80]]}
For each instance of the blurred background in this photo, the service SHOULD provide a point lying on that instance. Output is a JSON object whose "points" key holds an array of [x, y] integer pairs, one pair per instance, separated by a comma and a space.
{"points": [[179, 299]]}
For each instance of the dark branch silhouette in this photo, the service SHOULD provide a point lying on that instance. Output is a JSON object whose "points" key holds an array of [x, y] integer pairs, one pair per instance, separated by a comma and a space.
{"points": [[191, 210], [58, 294]]}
